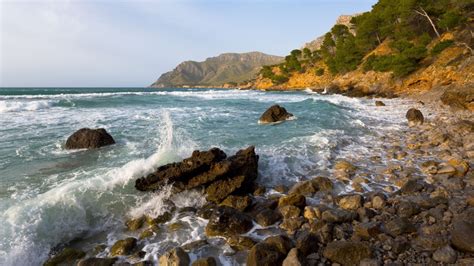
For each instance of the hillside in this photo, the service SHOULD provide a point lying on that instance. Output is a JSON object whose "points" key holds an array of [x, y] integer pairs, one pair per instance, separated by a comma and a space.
{"points": [[412, 49], [215, 71]]}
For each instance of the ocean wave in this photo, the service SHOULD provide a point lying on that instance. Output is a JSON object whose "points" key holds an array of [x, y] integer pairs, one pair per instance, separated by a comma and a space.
{"points": [[19, 106]]}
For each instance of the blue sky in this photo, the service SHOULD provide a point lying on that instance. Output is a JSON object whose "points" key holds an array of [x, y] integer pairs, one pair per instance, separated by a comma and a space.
{"points": [[130, 43]]}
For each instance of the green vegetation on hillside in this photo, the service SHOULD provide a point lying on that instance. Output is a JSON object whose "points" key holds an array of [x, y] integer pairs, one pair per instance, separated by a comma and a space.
{"points": [[408, 25]]}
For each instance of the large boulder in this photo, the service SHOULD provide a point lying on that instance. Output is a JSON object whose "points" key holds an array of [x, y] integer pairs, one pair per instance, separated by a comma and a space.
{"points": [[123, 247], [212, 169], [414, 117], [272, 251], [274, 114], [347, 252], [227, 221], [66, 256], [86, 138]]}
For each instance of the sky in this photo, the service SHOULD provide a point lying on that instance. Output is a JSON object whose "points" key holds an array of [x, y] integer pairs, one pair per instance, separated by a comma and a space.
{"points": [[117, 43]]}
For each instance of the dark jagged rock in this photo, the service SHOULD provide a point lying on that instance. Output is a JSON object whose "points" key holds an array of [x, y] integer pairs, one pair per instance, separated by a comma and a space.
{"points": [[97, 262], [272, 251], [267, 217], [219, 174], [123, 247], [86, 138], [209, 261], [379, 103], [274, 114], [66, 256], [347, 252], [175, 257], [226, 221], [414, 117]]}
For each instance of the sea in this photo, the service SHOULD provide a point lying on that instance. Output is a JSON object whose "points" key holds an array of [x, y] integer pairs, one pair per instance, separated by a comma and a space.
{"points": [[51, 197]]}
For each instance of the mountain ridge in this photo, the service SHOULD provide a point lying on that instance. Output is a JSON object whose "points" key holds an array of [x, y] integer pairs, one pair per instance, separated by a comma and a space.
{"points": [[225, 68]]}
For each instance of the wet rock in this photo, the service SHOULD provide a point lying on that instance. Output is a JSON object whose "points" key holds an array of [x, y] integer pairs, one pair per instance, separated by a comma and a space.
{"points": [[338, 216], [135, 224], [378, 202], [344, 169], [160, 219], [267, 217], [226, 221], [367, 230], [66, 256], [86, 138], [412, 186], [322, 183], [290, 211], [274, 114], [220, 189], [97, 262], [347, 252], [462, 235], [237, 202], [240, 242], [211, 169], [307, 242], [445, 254], [293, 200], [398, 226], [426, 242], [305, 188], [407, 209], [209, 261], [282, 243], [175, 257], [263, 254], [351, 202], [294, 258], [379, 103], [292, 224], [414, 117], [123, 247]]}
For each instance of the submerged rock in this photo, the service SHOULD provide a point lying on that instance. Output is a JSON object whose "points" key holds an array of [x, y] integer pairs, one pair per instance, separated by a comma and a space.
{"points": [[86, 138], [414, 117], [379, 103], [274, 114]]}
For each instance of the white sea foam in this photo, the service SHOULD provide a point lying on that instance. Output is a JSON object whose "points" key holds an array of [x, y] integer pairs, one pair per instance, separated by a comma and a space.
{"points": [[18, 106]]}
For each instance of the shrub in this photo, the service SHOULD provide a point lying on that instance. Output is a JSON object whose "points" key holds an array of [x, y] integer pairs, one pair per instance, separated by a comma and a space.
{"points": [[438, 48]]}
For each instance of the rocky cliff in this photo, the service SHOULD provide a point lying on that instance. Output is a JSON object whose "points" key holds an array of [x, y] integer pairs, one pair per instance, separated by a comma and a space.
{"points": [[230, 68]]}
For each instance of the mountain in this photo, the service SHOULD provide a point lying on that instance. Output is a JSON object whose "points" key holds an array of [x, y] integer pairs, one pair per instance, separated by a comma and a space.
{"points": [[215, 71]]}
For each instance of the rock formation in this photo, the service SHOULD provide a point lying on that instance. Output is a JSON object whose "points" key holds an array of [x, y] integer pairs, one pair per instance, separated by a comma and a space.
{"points": [[274, 114], [86, 138]]}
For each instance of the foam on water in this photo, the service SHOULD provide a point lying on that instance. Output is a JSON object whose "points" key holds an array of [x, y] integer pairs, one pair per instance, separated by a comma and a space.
{"points": [[20, 106]]}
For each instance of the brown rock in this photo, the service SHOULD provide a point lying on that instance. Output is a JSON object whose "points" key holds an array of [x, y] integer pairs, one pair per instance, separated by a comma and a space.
{"points": [[97, 262], [209, 261], [274, 114], [338, 216], [290, 211], [135, 224], [379, 103], [123, 247], [307, 242], [226, 221], [462, 235], [263, 254], [66, 256], [294, 258], [367, 230], [267, 217], [347, 252], [240, 242], [86, 138], [414, 117], [398, 226], [350, 202], [237, 202], [175, 257], [282, 243], [292, 224], [293, 200]]}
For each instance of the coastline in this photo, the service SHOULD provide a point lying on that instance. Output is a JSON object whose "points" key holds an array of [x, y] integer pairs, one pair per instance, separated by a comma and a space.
{"points": [[421, 215]]}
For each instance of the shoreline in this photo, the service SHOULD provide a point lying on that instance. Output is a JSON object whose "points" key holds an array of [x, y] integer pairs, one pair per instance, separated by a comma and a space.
{"points": [[420, 218]]}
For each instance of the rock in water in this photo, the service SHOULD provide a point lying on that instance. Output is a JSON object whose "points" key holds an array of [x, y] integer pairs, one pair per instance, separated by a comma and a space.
{"points": [[66, 256], [347, 252], [211, 169], [97, 262], [227, 221], [175, 257], [274, 114], [379, 103], [462, 235], [86, 138], [414, 117], [123, 247]]}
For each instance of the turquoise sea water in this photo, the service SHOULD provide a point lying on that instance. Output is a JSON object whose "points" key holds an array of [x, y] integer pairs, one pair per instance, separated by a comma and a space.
{"points": [[50, 196]]}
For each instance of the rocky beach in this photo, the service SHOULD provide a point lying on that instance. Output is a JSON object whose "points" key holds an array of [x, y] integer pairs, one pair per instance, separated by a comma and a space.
{"points": [[410, 202]]}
